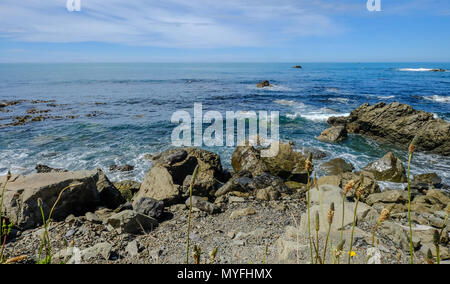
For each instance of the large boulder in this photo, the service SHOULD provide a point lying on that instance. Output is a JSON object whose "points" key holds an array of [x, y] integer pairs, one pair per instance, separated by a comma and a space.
{"points": [[388, 168], [165, 179], [337, 166], [90, 189], [398, 124], [333, 134], [287, 164], [369, 186]]}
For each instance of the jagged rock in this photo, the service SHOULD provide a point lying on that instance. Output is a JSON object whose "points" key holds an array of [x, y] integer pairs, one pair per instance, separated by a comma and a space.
{"points": [[247, 158], [287, 164], [388, 168], [333, 134], [434, 200], [424, 182], [388, 196], [149, 207], [127, 188], [398, 124], [202, 204], [123, 168], [268, 194], [131, 222], [166, 178], [337, 166], [91, 189], [46, 169], [316, 153]]}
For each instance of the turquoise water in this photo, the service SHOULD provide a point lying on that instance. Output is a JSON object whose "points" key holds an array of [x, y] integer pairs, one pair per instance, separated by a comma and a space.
{"points": [[133, 104]]}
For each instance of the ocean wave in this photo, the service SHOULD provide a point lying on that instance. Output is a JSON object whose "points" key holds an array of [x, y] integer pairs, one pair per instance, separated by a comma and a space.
{"points": [[415, 69], [317, 116], [339, 100], [440, 99], [290, 103], [272, 88]]}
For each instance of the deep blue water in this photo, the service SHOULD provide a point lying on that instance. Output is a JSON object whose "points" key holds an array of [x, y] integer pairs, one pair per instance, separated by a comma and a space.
{"points": [[133, 104]]}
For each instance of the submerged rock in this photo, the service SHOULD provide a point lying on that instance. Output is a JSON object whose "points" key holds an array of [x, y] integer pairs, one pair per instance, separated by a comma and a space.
{"points": [[263, 84], [46, 169], [123, 168], [388, 168], [398, 124]]}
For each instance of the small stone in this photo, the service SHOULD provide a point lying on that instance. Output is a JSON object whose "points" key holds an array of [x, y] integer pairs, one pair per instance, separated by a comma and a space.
{"points": [[132, 249], [242, 212], [91, 217]]}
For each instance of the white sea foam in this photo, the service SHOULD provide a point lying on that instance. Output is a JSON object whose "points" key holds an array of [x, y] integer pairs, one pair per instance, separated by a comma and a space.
{"points": [[385, 97], [272, 88], [415, 69], [340, 100], [290, 103], [315, 116], [440, 99]]}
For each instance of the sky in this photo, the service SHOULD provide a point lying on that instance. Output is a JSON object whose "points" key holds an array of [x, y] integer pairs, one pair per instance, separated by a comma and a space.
{"points": [[224, 31]]}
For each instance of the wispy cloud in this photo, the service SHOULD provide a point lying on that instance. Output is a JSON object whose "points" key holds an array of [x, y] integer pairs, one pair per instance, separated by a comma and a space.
{"points": [[170, 23]]}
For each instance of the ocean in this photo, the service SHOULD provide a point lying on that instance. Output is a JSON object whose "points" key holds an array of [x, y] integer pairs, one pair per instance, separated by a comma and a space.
{"points": [[121, 112]]}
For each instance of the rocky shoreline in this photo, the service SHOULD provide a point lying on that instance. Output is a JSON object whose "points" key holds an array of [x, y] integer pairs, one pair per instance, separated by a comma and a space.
{"points": [[259, 204]]}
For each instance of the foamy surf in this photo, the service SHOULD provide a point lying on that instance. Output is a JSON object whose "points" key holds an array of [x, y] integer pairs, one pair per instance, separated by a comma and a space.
{"points": [[290, 103], [440, 99], [317, 117], [415, 69]]}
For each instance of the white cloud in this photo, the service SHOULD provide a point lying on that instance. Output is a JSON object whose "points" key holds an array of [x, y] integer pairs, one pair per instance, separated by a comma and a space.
{"points": [[169, 23]]}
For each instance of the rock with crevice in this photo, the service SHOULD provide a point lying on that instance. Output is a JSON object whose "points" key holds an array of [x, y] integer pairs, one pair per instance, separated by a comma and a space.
{"points": [[398, 124]]}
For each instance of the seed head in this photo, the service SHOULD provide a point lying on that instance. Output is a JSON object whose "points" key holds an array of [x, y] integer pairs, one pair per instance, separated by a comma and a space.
{"points": [[436, 238], [8, 176], [360, 189], [349, 186], [412, 146], [317, 221], [308, 164], [384, 215], [331, 214]]}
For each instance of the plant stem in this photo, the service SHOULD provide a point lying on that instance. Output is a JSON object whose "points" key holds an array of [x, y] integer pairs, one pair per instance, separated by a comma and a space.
{"points": [[353, 230], [190, 213], [438, 257], [326, 243], [309, 219], [409, 212], [343, 215]]}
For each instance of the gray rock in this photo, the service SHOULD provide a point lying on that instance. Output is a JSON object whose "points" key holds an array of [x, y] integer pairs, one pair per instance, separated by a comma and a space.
{"points": [[46, 169], [131, 222], [203, 205], [91, 217], [150, 207], [388, 196], [132, 249], [90, 189], [337, 166], [99, 250], [388, 168], [165, 180], [333, 134], [398, 124]]}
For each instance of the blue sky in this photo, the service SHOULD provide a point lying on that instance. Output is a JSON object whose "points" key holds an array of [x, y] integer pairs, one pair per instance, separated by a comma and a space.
{"points": [[224, 31]]}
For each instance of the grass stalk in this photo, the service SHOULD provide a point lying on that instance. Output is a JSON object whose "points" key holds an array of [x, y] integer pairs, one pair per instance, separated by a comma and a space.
{"points": [[190, 213], [358, 196], [411, 151]]}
